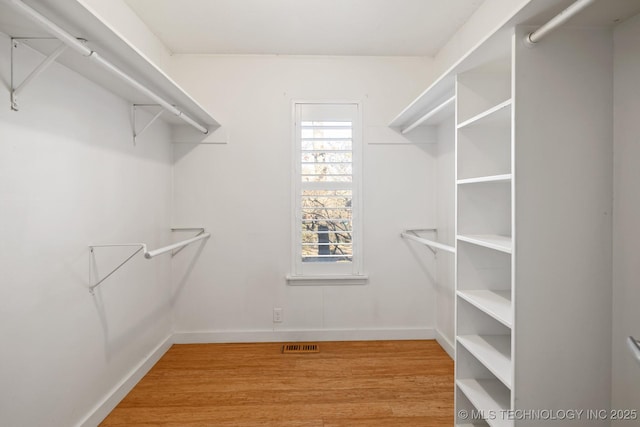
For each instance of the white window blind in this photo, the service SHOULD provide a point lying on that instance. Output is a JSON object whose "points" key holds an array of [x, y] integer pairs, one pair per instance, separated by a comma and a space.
{"points": [[327, 189]]}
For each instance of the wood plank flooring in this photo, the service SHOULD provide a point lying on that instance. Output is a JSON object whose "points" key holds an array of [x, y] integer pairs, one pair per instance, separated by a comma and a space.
{"points": [[354, 384]]}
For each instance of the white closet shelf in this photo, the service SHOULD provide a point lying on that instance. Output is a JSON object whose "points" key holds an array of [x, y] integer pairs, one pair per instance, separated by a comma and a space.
{"points": [[78, 20], [434, 116], [492, 178], [491, 241], [496, 304], [493, 351], [437, 97], [444, 87], [497, 115], [490, 396]]}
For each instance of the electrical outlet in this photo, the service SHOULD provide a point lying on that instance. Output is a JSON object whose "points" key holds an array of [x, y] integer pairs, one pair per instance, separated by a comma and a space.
{"points": [[277, 315]]}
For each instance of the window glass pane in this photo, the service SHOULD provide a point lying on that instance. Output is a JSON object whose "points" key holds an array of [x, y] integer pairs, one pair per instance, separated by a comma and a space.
{"points": [[326, 177], [327, 133], [326, 202], [324, 123], [326, 169], [323, 145], [326, 157], [326, 242]]}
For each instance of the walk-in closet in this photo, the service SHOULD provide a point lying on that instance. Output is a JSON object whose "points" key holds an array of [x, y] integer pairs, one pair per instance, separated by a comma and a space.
{"points": [[319, 213]]}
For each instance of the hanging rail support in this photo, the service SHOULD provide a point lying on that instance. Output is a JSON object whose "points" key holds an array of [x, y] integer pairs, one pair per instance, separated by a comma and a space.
{"points": [[15, 91], [142, 247], [200, 231], [535, 36], [76, 45], [136, 134]]}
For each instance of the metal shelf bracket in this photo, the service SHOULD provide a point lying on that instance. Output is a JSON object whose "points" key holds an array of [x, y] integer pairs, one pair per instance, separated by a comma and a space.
{"points": [[134, 108], [17, 89], [141, 246], [200, 231]]}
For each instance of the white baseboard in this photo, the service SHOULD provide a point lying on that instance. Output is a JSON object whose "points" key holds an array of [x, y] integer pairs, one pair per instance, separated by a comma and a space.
{"points": [[104, 408], [447, 345], [302, 335]]}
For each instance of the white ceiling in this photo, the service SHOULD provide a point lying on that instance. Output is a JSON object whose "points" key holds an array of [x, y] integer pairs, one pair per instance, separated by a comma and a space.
{"points": [[305, 27]]}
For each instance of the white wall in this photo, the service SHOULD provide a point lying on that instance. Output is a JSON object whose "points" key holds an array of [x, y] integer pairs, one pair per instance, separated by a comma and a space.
{"points": [[70, 176], [242, 193], [626, 231]]}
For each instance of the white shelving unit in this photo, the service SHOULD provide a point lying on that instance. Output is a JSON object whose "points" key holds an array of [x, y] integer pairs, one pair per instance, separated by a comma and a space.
{"points": [[484, 368], [533, 167], [523, 143], [484, 195]]}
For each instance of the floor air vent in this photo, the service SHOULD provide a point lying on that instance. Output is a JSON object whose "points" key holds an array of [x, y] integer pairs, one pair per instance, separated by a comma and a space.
{"points": [[301, 348]]}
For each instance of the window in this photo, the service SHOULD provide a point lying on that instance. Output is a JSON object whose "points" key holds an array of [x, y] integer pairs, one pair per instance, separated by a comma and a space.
{"points": [[326, 189]]}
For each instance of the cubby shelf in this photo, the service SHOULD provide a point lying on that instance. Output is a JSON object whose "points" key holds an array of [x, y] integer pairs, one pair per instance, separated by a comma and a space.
{"points": [[493, 351], [491, 241], [496, 115], [492, 178], [496, 304], [488, 396]]}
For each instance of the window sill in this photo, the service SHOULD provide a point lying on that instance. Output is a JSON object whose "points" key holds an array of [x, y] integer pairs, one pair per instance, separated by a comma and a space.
{"points": [[327, 280]]}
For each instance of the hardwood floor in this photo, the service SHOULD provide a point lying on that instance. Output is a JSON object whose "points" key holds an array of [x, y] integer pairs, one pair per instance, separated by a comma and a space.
{"points": [[354, 384]]}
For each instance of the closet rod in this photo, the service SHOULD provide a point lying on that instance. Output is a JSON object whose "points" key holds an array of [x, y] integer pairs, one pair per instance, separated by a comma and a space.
{"points": [[142, 247], [575, 8], [79, 47], [160, 251], [431, 244]]}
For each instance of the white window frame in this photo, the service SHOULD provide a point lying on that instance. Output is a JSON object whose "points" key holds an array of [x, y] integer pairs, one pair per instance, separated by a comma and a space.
{"points": [[327, 273]]}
